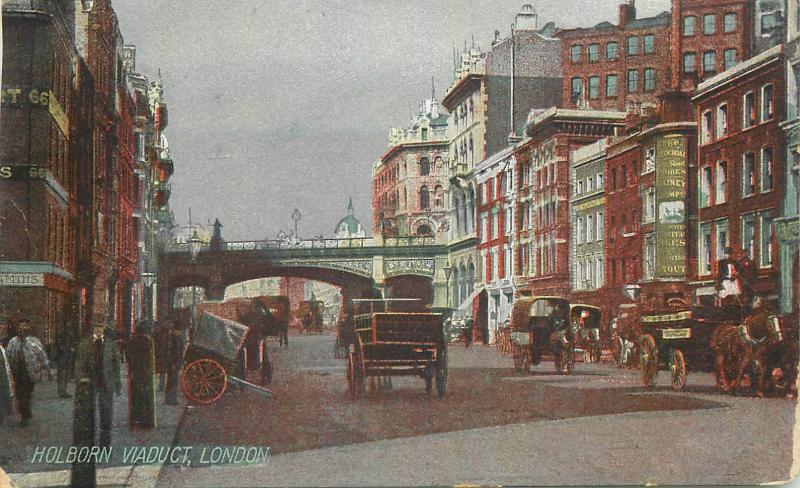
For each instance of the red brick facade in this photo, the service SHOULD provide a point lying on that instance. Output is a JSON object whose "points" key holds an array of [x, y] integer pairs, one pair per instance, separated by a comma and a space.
{"points": [[739, 166]]}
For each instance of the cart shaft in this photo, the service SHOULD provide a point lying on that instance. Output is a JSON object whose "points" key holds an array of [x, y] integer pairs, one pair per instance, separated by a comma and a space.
{"points": [[258, 389]]}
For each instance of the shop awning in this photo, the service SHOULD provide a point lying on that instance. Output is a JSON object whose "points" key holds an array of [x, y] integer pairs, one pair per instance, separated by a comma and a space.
{"points": [[470, 298]]}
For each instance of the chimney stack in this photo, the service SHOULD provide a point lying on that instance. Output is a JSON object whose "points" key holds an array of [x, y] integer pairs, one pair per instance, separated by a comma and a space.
{"points": [[627, 13]]}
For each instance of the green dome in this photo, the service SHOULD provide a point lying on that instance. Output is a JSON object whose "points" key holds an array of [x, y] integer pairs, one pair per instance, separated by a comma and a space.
{"points": [[350, 224]]}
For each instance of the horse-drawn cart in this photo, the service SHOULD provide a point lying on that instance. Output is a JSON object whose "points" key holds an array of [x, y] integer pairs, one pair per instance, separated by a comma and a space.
{"points": [[215, 351], [398, 344]]}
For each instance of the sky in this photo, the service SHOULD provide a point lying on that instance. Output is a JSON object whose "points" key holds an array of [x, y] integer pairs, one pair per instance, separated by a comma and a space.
{"points": [[283, 104]]}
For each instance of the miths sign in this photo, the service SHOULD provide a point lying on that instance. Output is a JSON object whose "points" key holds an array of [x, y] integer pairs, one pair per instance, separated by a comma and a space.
{"points": [[17, 96], [22, 172], [21, 279]]}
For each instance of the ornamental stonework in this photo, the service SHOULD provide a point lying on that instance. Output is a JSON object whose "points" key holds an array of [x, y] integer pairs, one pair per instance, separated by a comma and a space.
{"points": [[397, 267]]}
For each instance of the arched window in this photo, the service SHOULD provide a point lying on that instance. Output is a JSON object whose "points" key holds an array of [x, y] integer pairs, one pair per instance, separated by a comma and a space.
{"points": [[424, 198], [424, 230], [438, 196], [424, 167]]}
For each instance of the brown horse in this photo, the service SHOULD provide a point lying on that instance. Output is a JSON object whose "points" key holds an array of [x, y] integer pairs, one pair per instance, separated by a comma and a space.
{"points": [[737, 346]]}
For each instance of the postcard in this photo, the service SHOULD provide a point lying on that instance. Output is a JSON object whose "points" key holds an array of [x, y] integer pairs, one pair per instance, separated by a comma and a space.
{"points": [[462, 243]]}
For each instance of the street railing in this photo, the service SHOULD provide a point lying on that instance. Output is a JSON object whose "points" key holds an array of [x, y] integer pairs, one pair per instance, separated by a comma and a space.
{"points": [[289, 243]]}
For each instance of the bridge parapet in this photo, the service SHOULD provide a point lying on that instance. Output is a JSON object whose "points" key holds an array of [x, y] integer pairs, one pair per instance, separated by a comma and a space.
{"points": [[183, 247]]}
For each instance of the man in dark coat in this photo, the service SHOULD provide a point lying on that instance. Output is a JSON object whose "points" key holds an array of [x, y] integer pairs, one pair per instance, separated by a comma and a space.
{"points": [[62, 356], [6, 332], [107, 381]]}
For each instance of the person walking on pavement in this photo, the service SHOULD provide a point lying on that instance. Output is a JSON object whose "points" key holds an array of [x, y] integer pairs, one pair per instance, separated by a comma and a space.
{"points": [[6, 386], [28, 361], [107, 381], [174, 363], [62, 356]]}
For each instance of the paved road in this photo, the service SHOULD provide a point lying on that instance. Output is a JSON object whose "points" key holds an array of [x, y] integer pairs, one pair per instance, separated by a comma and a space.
{"points": [[493, 427]]}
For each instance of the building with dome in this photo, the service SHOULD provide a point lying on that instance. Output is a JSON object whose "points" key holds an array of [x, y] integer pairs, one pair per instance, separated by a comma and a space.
{"points": [[349, 227]]}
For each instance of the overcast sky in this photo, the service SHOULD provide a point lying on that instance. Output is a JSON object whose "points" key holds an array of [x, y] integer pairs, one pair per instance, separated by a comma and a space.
{"points": [[276, 105]]}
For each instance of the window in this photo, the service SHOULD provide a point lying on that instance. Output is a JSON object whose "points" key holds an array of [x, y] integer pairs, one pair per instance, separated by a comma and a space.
{"points": [[611, 85], [650, 205], [633, 80], [765, 238], [624, 223], [709, 62], [704, 249], [599, 224], [594, 87], [689, 63], [589, 228], [767, 103], [577, 88], [705, 128], [633, 45], [590, 184], [731, 58], [579, 274], [424, 134], [624, 175], [424, 198], [649, 256], [722, 121], [612, 228], [575, 53], [749, 175], [705, 186], [766, 169], [749, 110], [649, 79], [709, 24], [485, 227], [722, 183], [721, 236], [612, 49], [748, 234], [495, 225], [770, 23], [599, 276], [599, 181], [594, 52], [650, 160], [424, 167], [589, 272], [508, 222], [614, 179], [580, 230], [688, 25], [649, 44], [729, 22]]}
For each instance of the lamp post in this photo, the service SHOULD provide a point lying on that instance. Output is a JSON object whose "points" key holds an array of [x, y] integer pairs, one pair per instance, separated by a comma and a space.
{"points": [[296, 216], [447, 271], [148, 280], [194, 250]]}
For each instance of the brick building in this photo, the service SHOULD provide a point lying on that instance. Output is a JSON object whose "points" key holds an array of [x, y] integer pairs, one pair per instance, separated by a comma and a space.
{"points": [[739, 166], [616, 67], [409, 181], [38, 176], [543, 169], [494, 177]]}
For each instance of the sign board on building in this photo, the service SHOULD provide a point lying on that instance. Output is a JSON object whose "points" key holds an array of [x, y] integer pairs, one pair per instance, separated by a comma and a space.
{"points": [[671, 206], [20, 96], [21, 279], [22, 172]]}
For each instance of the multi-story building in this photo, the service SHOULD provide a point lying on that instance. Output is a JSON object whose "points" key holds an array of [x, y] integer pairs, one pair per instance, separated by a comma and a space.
{"points": [[494, 177], [739, 172], [587, 211], [616, 67], [543, 165], [409, 181], [708, 38], [38, 172], [788, 226]]}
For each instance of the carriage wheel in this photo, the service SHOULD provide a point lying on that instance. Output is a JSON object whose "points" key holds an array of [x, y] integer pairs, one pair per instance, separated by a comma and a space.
{"points": [[648, 358], [678, 370], [441, 374], [204, 381]]}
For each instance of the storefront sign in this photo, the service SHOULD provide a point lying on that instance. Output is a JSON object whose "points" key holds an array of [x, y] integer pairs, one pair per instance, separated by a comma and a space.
{"points": [[21, 96], [21, 279], [590, 204], [22, 172], [671, 207]]}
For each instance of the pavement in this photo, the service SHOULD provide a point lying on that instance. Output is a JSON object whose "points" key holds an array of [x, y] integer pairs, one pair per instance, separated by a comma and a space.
{"points": [[51, 426]]}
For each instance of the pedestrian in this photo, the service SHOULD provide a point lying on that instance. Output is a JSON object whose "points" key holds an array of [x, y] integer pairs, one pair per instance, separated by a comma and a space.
{"points": [[107, 381], [174, 363], [141, 368], [468, 332], [6, 332], [62, 357], [6, 386], [28, 362], [160, 341]]}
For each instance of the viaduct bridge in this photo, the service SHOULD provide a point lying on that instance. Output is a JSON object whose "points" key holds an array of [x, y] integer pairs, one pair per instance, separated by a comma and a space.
{"points": [[361, 267]]}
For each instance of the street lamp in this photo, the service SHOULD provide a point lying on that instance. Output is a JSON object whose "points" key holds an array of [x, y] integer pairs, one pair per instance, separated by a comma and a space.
{"points": [[148, 280], [194, 250], [296, 216], [447, 271]]}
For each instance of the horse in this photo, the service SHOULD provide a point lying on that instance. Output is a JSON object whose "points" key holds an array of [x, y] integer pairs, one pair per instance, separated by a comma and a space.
{"points": [[736, 346]]}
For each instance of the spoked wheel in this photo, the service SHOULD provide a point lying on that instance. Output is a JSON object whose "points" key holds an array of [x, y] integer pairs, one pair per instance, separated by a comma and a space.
{"points": [[678, 370], [441, 373], [204, 381], [648, 359]]}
